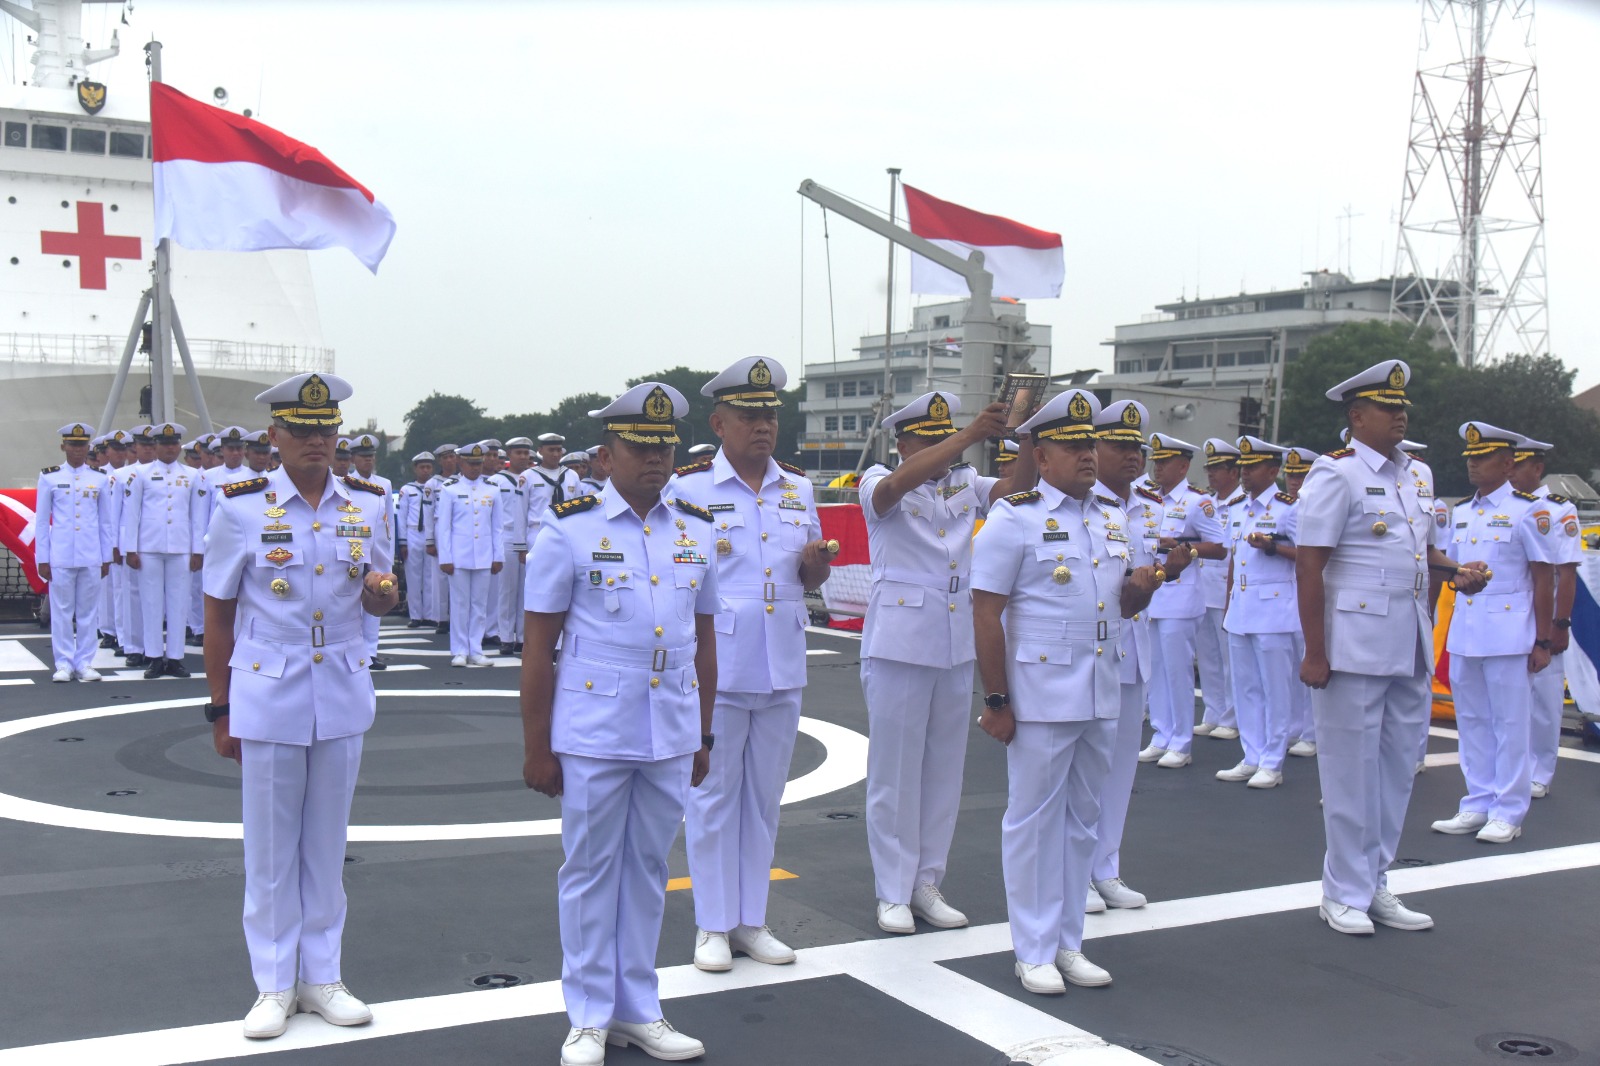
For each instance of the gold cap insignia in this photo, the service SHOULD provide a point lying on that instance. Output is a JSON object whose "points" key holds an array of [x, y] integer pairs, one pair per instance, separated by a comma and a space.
{"points": [[1473, 435], [1130, 415], [760, 375], [314, 393], [1211, 449], [1244, 447], [1397, 377], [1079, 409], [77, 428], [938, 408], [658, 405], [1155, 441]]}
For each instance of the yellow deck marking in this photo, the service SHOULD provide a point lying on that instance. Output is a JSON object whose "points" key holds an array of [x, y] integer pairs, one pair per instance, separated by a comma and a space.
{"points": [[678, 884]]}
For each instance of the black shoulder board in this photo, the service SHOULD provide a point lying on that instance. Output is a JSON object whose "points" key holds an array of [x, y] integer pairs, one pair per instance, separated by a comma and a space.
{"points": [[1110, 500], [1341, 453], [791, 467], [958, 466], [1519, 494], [451, 480], [1147, 493], [365, 486], [242, 488], [1286, 497], [694, 468], [1022, 497], [50, 470], [576, 505], [1553, 498], [689, 508], [1238, 499]]}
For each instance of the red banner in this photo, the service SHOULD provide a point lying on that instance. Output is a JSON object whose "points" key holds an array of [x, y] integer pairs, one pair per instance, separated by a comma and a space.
{"points": [[16, 523]]}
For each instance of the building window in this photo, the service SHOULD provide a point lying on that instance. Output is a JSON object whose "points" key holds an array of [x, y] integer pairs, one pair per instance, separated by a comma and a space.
{"points": [[89, 142], [51, 138], [849, 388], [128, 144], [16, 135], [906, 352], [902, 382], [849, 425], [1226, 358], [1190, 362], [941, 321], [830, 390], [830, 423], [1252, 358], [1294, 301]]}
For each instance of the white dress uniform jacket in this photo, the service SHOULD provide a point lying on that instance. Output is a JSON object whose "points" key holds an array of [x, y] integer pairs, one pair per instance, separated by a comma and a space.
{"points": [[1190, 515], [73, 533], [1548, 684], [158, 510], [1508, 530], [1263, 596], [467, 526]]}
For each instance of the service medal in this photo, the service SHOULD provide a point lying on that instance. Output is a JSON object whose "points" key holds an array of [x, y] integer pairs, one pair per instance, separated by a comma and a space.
{"points": [[1061, 575], [349, 507], [275, 512], [724, 546], [1380, 527], [1051, 523], [280, 587], [356, 551], [685, 542], [279, 555]]}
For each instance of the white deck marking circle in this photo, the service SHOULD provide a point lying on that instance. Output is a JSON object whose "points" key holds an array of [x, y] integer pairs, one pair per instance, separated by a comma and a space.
{"points": [[844, 763]]}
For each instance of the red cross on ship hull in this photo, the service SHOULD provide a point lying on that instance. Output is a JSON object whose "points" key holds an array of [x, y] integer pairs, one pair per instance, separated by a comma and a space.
{"points": [[91, 245]]}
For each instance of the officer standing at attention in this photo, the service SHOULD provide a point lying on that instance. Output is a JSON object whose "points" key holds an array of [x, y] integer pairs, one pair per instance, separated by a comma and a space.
{"points": [[621, 728], [1052, 582], [116, 455], [132, 607], [72, 549], [595, 480], [1362, 562], [364, 463], [1189, 526], [1544, 712], [1119, 451], [1302, 725], [1219, 718], [341, 457], [290, 565], [769, 554], [467, 533], [1263, 614], [448, 466], [1499, 637], [514, 540], [208, 490], [416, 500], [916, 649], [163, 545]]}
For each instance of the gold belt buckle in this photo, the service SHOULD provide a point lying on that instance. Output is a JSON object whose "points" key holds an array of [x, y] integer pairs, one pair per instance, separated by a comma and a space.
{"points": [[658, 661], [316, 636], [769, 591]]}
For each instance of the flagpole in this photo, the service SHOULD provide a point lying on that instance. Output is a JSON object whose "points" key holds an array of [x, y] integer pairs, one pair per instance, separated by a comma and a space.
{"points": [[161, 319], [888, 322]]}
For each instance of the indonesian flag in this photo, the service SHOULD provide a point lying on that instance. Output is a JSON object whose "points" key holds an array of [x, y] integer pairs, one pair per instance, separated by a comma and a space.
{"points": [[17, 531], [226, 183], [1026, 262]]}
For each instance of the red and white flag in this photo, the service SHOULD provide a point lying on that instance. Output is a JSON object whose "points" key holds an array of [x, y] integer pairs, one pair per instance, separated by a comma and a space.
{"points": [[1026, 262], [226, 183]]}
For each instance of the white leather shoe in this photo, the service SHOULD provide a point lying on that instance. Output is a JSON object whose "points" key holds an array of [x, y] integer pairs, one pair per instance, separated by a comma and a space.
{"points": [[477, 660], [1243, 772], [584, 1047], [1118, 895], [1264, 778], [88, 673], [1043, 979], [711, 951], [61, 675], [458, 660], [1204, 729], [333, 1001], [1462, 823], [1305, 749], [1422, 768], [1540, 790], [658, 1039], [1080, 971], [1387, 910], [1151, 754], [270, 1015], [1342, 919], [928, 903], [1092, 903], [895, 918], [761, 945], [1172, 760], [1499, 831], [1224, 732]]}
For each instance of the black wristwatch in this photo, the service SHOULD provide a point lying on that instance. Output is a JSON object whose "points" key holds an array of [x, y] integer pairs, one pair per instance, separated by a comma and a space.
{"points": [[215, 711], [1545, 644], [996, 700], [1563, 623], [708, 740]]}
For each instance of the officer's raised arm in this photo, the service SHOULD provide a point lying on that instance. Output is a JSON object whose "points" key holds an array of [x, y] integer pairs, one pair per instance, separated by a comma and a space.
{"points": [[925, 458]]}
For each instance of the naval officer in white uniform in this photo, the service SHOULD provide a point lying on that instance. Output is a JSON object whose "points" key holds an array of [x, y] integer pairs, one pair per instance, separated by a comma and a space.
{"points": [[1052, 583], [364, 465], [411, 516], [1362, 564], [769, 555], [916, 648], [1302, 724], [72, 550], [291, 564], [467, 533], [620, 729], [163, 543], [1219, 718]]}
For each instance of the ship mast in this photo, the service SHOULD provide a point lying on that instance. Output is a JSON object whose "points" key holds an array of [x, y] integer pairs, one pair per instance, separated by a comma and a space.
{"points": [[60, 59]]}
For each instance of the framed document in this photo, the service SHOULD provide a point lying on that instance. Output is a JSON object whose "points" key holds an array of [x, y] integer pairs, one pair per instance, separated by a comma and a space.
{"points": [[1023, 394]]}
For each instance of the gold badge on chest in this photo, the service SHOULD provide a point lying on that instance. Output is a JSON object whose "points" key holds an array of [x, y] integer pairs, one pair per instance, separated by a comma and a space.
{"points": [[280, 587], [1061, 575]]}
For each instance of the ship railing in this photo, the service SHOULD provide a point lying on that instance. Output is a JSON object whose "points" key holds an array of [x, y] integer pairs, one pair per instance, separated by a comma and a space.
{"points": [[88, 350]]}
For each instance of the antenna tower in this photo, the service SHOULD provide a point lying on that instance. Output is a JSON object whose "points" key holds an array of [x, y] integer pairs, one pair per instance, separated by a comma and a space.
{"points": [[1470, 260]]}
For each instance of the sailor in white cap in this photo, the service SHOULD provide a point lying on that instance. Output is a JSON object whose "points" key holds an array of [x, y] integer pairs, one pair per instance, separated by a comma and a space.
{"points": [[621, 729], [113, 594], [1189, 526], [1263, 614], [467, 533], [1119, 449], [446, 471], [411, 516], [1362, 563], [163, 543], [599, 474], [293, 559], [770, 552], [512, 484], [916, 651], [1219, 719], [1544, 709], [1501, 636], [364, 465], [72, 550], [1053, 581], [131, 609], [1302, 723], [701, 451], [561, 481]]}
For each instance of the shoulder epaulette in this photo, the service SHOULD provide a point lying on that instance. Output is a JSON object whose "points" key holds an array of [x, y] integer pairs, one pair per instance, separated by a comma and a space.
{"points": [[1192, 489], [1519, 494], [696, 467], [243, 488], [1149, 494], [365, 486], [1021, 497], [1111, 500], [1554, 498], [1237, 499], [1340, 453], [576, 505], [692, 508], [793, 469], [1286, 497], [450, 480], [958, 466], [50, 470]]}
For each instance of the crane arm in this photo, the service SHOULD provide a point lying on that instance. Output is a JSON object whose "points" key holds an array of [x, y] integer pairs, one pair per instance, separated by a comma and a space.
{"points": [[969, 268]]}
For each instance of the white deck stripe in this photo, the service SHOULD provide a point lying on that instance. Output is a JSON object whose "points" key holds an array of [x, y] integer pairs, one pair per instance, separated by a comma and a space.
{"points": [[16, 658]]}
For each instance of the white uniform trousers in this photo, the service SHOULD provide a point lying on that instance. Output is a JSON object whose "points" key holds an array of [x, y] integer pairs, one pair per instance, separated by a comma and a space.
{"points": [[469, 606], [130, 619], [1118, 789], [74, 607], [618, 821], [419, 583], [196, 615], [1491, 694], [441, 590], [371, 625], [1055, 772], [106, 618], [918, 718], [164, 597], [1172, 682], [491, 606], [1366, 757], [1544, 717], [296, 816], [1302, 723], [1263, 667], [510, 602], [731, 827], [1214, 655]]}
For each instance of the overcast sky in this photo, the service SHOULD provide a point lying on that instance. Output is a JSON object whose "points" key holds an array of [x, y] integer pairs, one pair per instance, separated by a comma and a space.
{"points": [[591, 191]]}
